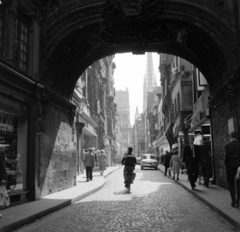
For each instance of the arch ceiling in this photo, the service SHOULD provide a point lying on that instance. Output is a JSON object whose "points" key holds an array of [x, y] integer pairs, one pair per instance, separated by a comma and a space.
{"points": [[75, 33]]}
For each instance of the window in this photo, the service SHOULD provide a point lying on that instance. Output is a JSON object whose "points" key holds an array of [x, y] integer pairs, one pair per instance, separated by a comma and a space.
{"points": [[13, 140], [178, 101], [142, 146], [125, 125], [125, 117], [21, 44], [175, 108], [1, 30]]}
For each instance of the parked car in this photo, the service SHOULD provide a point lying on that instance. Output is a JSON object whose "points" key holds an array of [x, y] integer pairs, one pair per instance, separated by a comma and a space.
{"points": [[138, 160], [149, 161]]}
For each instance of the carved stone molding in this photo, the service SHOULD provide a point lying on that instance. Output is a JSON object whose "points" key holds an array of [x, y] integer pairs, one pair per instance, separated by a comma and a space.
{"points": [[72, 115], [210, 23], [77, 34], [42, 104], [80, 126], [8, 2], [232, 101]]}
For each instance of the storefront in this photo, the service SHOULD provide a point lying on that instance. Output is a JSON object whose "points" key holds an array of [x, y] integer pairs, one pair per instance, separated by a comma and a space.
{"points": [[108, 150], [180, 130], [89, 135], [159, 145], [14, 127]]}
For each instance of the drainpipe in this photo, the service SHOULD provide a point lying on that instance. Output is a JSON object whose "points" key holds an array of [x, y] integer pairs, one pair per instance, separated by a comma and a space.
{"points": [[236, 24], [212, 148]]}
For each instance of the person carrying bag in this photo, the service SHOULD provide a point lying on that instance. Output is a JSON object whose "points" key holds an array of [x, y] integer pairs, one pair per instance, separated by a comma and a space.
{"points": [[4, 197]]}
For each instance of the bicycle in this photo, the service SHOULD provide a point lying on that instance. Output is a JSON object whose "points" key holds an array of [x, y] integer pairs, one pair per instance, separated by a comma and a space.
{"points": [[130, 176]]}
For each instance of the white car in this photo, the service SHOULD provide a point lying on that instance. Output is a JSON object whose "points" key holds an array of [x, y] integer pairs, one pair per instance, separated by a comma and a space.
{"points": [[149, 161]]}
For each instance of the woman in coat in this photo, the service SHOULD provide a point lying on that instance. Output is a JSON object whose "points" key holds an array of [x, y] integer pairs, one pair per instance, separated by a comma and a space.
{"points": [[175, 162], [102, 159]]}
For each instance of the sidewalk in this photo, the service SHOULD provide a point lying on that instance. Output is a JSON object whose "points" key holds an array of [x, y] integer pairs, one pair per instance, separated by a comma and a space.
{"points": [[19, 215], [216, 198]]}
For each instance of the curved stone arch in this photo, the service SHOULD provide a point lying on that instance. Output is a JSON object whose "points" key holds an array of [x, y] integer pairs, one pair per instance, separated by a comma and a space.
{"points": [[198, 20]]}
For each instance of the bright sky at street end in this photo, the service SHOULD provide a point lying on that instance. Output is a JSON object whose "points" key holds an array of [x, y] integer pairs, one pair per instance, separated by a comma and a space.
{"points": [[129, 73]]}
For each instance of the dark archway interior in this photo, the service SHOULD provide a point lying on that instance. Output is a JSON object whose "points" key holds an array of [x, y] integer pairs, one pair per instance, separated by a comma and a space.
{"points": [[73, 43]]}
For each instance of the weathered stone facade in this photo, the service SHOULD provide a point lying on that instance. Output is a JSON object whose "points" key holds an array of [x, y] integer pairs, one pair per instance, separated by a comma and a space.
{"points": [[220, 116], [58, 155]]}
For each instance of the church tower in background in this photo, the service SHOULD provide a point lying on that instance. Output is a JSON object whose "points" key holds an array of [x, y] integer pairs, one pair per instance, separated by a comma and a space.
{"points": [[149, 83], [123, 113]]}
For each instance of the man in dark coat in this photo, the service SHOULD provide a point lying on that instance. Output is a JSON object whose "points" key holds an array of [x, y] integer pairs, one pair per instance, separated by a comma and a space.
{"points": [[130, 161], [232, 162], [191, 160], [89, 162], [205, 161], [166, 162]]}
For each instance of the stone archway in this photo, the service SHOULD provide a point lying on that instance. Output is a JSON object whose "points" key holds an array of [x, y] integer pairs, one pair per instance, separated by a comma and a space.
{"points": [[205, 32], [76, 33]]}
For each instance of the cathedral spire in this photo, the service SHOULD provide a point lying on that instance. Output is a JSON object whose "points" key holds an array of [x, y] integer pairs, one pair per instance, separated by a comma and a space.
{"points": [[149, 79], [136, 113]]}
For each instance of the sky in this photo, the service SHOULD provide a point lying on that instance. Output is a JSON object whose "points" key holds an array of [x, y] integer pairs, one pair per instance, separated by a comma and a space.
{"points": [[129, 73]]}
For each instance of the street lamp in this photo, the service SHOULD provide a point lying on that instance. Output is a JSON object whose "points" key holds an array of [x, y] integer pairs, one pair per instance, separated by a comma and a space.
{"points": [[137, 138]]}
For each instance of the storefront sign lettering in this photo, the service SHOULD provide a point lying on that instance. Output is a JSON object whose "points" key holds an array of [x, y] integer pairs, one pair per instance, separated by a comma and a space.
{"points": [[176, 125], [5, 128], [6, 123], [9, 102]]}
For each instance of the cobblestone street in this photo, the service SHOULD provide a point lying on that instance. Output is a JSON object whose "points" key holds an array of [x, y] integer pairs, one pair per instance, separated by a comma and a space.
{"points": [[156, 203]]}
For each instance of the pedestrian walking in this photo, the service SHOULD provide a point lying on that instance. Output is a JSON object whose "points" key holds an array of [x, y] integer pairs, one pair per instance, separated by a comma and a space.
{"points": [[95, 158], [191, 160], [96, 155], [166, 161], [129, 161], [89, 162], [232, 163], [3, 173], [102, 160], [238, 186], [205, 161], [175, 162]]}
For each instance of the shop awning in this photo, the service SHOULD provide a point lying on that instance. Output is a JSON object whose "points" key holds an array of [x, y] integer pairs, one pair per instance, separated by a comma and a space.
{"points": [[161, 141], [198, 124]]}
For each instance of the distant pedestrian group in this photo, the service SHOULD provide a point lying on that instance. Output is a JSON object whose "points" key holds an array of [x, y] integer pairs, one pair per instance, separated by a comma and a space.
{"points": [[197, 160], [94, 160]]}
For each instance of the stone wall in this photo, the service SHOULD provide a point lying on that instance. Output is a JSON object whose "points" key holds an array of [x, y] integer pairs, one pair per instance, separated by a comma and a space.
{"points": [[57, 156], [220, 117]]}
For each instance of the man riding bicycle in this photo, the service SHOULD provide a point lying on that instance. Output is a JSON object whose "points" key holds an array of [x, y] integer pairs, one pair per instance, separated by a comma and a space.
{"points": [[129, 160]]}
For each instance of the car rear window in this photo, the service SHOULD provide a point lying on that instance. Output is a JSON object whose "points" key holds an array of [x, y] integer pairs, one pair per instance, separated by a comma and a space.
{"points": [[149, 157]]}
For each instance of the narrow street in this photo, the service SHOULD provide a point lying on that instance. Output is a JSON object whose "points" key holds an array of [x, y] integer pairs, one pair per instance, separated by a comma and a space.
{"points": [[156, 203]]}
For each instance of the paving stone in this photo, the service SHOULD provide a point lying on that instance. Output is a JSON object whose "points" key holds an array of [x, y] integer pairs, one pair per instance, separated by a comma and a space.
{"points": [[155, 204]]}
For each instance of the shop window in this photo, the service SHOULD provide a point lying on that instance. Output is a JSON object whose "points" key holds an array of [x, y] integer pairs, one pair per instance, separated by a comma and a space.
{"points": [[13, 142], [142, 146], [178, 101], [125, 117], [21, 44], [1, 30]]}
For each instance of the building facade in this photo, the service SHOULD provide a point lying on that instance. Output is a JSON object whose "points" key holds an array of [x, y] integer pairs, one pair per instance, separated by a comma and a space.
{"points": [[123, 112], [46, 45]]}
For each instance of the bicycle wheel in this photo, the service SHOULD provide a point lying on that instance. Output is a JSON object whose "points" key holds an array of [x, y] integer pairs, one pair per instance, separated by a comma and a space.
{"points": [[129, 181]]}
